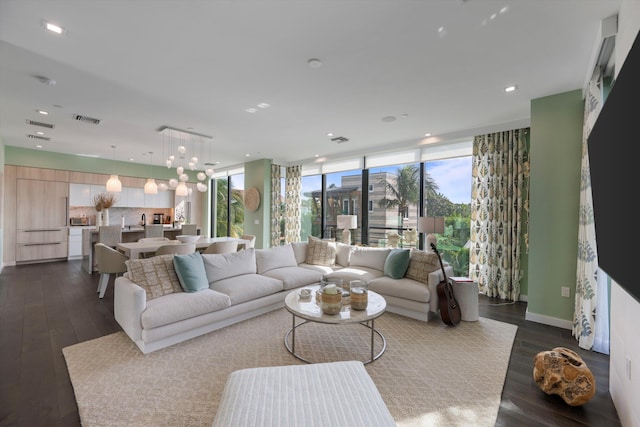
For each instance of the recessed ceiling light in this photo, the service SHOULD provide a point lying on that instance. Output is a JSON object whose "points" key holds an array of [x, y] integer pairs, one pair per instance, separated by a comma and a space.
{"points": [[314, 63], [427, 134], [39, 133], [329, 134], [511, 88], [43, 112], [316, 155], [251, 110], [247, 155], [389, 119], [38, 146], [264, 105], [54, 28]]}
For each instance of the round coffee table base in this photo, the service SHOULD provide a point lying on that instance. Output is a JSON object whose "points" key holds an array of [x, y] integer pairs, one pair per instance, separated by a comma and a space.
{"points": [[292, 332]]}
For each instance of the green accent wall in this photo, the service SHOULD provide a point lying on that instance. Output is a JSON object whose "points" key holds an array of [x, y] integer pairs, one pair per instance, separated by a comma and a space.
{"points": [[556, 151], [258, 174], [46, 159]]}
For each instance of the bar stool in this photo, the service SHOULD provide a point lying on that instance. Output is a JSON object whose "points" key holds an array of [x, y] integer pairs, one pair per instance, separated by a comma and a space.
{"points": [[155, 230], [110, 261]]}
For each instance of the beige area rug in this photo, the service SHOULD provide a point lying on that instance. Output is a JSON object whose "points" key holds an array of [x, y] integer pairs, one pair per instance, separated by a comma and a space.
{"points": [[430, 374]]}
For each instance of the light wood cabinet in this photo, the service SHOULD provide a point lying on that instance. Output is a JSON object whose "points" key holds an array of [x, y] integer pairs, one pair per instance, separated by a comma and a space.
{"points": [[41, 220]]}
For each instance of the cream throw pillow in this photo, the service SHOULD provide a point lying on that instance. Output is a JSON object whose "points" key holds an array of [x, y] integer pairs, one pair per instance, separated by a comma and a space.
{"points": [[321, 252], [155, 275], [421, 264]]}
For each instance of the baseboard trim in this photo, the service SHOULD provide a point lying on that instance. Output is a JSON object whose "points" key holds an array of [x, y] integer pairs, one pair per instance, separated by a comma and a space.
{"points": [[548, 320]]}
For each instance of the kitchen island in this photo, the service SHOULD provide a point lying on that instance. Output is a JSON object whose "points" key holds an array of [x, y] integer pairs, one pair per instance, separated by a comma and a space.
{"points": [[90, 237]]}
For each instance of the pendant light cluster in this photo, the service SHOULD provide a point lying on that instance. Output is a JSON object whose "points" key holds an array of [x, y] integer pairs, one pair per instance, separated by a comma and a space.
{"points": [[179, 144]]}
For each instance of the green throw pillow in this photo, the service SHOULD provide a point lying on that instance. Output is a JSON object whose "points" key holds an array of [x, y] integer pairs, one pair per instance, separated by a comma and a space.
{"points": [[396, 264], [190, 271]]}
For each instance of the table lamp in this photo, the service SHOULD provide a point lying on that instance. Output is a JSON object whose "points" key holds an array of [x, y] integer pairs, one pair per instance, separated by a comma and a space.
{"points": [[430, 225], [347, 223]]}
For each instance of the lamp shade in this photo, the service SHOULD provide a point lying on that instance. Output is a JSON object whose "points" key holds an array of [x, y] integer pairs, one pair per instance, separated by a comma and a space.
{"points": [[114, 185], [182, 190], [431, 224], [150, 187], [347, 222]]}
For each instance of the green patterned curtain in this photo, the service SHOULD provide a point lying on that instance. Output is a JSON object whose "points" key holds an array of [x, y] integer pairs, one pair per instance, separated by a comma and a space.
{"points": [[276, 215], [293, 206], [585, 328], [499, 212]]}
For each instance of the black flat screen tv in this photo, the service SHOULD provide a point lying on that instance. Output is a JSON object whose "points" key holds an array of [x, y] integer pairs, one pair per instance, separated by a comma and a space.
{"points": [[615, 176]]}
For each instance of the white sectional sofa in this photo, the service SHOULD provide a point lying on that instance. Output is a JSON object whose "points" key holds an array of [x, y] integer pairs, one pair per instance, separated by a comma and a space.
{"points": [[153, 309]]}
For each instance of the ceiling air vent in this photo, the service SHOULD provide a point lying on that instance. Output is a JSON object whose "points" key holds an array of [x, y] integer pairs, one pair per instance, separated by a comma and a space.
{"points": [[86, 119], [41, 124], [339, 139], [43, 138]]}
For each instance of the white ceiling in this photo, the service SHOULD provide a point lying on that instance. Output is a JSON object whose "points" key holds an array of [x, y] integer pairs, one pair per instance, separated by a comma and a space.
{"points": [[140, 65]]}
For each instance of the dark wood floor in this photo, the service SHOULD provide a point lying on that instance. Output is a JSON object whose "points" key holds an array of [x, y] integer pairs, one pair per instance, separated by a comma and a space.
{"points": [[46, 307]]}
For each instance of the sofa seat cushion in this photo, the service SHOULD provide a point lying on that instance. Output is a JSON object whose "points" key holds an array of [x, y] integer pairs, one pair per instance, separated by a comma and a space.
{"points": [[401, 288], [182, 305], [294, 277], [324, 269], [247, 287], [348, 274]]}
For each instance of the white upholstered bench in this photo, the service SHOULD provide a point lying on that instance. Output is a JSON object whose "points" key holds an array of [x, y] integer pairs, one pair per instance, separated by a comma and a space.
{"points": [[321, 394]]}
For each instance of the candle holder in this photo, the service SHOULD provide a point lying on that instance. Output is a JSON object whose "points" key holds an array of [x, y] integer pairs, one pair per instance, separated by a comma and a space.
{"points": [[358, 292]]}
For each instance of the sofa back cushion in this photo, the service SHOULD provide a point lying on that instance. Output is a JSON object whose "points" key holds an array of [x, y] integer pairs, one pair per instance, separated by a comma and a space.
{"points": [[364, 256], [156, 275], [421, 264], [300, 251], [223, 266], [275, 257], [320, 252], [343, 254]]}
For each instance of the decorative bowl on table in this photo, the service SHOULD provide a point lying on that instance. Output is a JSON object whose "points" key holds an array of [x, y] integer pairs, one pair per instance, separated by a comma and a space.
{"points": [[188, 238]]}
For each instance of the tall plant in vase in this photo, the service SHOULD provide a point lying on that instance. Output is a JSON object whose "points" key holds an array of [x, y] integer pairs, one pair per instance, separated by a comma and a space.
{"points": [[102, 202]]}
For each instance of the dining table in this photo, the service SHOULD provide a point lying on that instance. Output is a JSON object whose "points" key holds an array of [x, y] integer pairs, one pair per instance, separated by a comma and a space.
{"points": [[135, 250]]}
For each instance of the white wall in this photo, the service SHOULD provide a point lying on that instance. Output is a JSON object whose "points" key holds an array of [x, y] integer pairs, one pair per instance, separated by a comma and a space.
{"points": [[625, 310]]}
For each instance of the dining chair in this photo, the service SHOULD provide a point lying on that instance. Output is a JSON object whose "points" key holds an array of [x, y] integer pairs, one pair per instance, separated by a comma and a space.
{"points": [[221, 247], [190, 229], [154, 230], [177, 249], [151, 239], [110, 261], [252, 242], [110, 235]]}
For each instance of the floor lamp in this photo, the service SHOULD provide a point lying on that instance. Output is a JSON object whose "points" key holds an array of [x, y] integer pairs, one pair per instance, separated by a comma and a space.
{"points": [[429, 225], [347, 223]]}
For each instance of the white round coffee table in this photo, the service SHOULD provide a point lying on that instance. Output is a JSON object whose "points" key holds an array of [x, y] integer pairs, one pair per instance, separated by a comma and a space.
{"points": [[310, 311]]}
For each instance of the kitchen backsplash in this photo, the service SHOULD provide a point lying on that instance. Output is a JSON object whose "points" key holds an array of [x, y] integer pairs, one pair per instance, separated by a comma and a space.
{"points": [[132, 216]]}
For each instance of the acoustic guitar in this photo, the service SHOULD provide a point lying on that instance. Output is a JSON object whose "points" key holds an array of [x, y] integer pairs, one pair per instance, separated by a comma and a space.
{"points": [[449, 307]]}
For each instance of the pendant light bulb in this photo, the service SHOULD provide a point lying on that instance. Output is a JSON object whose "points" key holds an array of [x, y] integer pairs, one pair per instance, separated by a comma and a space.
{"points": [[184, 177], [201, 187], [182, 149], [192, 166], [169, 163], [163, 187], [150, 187], [172, 157], [201, 176], [179, 170], [173, 183], [194, 160], [209, 171]]}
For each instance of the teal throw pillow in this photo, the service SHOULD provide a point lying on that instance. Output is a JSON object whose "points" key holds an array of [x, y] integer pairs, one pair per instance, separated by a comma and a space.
{"points": [[190, 271], [396, 264]]}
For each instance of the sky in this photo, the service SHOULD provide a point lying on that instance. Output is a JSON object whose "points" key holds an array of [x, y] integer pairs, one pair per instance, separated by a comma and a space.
{"points": [[453, 177]]}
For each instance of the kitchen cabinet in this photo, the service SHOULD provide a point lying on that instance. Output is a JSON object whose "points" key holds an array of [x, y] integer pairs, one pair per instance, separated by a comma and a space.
{"points": [[80, 195], [41, 220], [135, 197], [75, 242]]}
